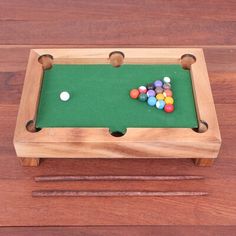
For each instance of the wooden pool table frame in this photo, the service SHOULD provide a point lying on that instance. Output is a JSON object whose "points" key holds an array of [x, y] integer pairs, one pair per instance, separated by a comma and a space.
{"points": [[203, 147]]}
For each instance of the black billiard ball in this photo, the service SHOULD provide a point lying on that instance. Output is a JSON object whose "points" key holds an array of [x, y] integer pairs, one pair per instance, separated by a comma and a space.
{"points": [[150, 86]]}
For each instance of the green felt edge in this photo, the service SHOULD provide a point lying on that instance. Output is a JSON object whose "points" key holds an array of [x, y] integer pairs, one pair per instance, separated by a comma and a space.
{"points": [[100, 97]]}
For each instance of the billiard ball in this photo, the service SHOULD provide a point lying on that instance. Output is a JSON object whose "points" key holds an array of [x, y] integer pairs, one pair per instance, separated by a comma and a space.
{"points": [[166, 79], [151, 93], [159, 90], [134, 93], [169, 108], [167, 93], [152, 101], [142, 97], [166, 86], [169, 100], [150, 86], [64, 96], [160, 104], [160, 96], [142, 89], [158, 83]]}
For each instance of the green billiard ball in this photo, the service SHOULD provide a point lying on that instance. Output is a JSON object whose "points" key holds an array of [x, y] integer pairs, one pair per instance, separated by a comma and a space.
{"points": [[142, 97]]}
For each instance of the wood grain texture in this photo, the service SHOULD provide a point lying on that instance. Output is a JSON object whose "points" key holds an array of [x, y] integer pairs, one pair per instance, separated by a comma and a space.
{"points": [[120, 231], [204, 162], [113, 178], [98, 24], [29, 161], [78, 193], [16, 183], [136, 143], [118, 22]]}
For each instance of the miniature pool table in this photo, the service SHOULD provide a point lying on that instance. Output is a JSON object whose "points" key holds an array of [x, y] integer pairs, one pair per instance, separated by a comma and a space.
{"points": [[100, 120]]}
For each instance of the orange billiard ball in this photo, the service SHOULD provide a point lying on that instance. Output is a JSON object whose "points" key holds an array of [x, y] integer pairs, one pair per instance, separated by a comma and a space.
{"points": [[167, 93], [134, 93]]}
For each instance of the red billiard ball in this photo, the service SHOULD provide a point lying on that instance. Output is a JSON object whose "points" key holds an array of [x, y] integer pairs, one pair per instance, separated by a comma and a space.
{"points": [[134, 93], [169, 108]]}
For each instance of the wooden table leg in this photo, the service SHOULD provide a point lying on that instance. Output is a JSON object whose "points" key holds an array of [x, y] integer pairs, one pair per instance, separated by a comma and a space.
{"points": [[207, 162], [29, 161]]}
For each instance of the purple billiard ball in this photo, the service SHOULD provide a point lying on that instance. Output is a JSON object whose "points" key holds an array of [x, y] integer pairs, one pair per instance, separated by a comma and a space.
{"points": [[151, 93], [158, 83], [159, 90]]}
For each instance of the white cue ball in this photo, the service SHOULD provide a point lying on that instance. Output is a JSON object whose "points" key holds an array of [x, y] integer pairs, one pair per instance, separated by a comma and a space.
{"points": [[64, 96], [167, 79]]}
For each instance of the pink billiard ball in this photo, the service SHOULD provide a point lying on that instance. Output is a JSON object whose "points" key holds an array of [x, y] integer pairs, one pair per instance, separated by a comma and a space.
{"points": [[142, 89]]}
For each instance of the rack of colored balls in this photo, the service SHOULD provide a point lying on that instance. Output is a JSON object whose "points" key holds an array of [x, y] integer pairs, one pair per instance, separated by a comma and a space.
{"points": [[158, 94]]}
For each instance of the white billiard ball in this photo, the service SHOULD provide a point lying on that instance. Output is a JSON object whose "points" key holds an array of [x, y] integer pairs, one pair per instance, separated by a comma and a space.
{"points": [[64, 96], [167, 79]]}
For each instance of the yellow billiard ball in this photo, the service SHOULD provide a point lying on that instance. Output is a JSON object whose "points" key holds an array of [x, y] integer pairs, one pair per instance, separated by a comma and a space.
{"points": [[169, 100]]}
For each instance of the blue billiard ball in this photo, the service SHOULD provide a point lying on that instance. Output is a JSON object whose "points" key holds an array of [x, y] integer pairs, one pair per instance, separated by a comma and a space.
{"points": [[152, 101]]}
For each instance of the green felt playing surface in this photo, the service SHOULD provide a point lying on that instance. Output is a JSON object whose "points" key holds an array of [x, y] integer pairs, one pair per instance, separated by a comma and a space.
{"points": [[100, 97]]}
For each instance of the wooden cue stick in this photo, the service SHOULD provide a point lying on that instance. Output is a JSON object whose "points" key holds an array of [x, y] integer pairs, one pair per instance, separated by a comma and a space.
{"points": [[112, 178], [77, 193]]}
